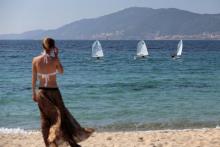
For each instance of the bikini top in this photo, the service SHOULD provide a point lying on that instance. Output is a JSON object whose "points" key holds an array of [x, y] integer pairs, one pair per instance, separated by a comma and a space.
{"points": [[46, 76]]}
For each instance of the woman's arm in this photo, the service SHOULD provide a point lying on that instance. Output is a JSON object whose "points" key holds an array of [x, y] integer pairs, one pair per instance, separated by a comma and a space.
{"points": [[34, 79], [59, 66]]}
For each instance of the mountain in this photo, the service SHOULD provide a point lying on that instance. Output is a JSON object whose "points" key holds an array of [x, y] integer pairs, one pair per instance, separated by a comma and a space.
{"points": [[135, 23]]}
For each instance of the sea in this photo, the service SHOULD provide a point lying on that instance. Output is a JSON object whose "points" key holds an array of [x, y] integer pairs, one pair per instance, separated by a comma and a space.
{"points": [[118, 93]]}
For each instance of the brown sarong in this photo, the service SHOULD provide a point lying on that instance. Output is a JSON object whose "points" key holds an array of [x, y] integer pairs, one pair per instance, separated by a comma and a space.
{"points": [[57, 123]]}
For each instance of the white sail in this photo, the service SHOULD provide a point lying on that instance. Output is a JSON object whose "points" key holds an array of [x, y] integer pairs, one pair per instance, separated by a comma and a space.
{"points": [[179, 48], [97, 49], [142, 49]]}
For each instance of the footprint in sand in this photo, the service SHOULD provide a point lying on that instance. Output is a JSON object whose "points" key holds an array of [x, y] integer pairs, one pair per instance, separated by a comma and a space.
{"points": [[140, 139]]}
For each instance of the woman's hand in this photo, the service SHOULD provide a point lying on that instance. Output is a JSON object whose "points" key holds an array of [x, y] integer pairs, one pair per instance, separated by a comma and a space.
{"points": [[34, 97]]}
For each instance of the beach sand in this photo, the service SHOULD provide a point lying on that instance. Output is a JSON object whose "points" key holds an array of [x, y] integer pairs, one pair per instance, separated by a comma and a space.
{"points": [[163, 138]]}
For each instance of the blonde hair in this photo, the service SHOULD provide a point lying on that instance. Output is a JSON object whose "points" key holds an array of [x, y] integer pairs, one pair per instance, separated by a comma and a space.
{"points": [[48, 43]]}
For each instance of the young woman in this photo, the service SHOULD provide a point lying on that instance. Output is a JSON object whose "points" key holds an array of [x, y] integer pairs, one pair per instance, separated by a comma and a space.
{"points": [[57, 123]]}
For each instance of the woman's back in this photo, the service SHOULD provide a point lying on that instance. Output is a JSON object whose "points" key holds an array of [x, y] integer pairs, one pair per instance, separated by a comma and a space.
{"points": [[46, 70]]}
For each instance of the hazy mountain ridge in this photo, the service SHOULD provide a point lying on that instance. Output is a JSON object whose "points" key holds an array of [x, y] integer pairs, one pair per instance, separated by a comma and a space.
{"points": [[135, 23]]}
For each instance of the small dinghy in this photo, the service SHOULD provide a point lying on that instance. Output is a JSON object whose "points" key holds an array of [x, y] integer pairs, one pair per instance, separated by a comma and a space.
{"points": [[97, 50], [179, 50], [142, 51]]}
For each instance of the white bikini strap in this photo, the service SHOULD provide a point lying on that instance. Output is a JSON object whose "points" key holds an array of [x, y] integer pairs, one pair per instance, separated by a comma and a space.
{"points": [[46, 77], [46, 56]]}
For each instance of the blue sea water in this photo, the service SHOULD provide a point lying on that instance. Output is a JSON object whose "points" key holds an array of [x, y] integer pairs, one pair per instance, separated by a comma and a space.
{"points": [[118, 92]]}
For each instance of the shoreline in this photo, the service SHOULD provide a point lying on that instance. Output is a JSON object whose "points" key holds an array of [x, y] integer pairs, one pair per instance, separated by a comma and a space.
{"points": [[26, 131], [156, 138]]}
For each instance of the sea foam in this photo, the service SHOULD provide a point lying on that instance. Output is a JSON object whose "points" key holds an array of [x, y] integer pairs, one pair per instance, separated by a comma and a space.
{"points": [[16, 131]]}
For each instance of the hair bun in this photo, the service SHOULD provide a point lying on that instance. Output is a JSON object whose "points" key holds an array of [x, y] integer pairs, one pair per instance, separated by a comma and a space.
{"points": [[48, 43]]}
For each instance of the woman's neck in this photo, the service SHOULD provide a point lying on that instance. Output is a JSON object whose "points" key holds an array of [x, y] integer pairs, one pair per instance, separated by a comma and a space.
{"points": [[47, 52]]}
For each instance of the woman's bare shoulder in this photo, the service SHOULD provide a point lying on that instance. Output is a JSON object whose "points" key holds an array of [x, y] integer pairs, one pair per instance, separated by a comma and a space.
{"points": [[37, 58]]}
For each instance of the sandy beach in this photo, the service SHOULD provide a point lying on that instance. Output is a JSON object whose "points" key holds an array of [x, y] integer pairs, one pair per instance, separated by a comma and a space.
{"points": [[163, 138]]}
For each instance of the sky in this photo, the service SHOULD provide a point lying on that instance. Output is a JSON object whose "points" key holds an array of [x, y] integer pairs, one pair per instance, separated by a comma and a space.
{"points": [[17, 16]]}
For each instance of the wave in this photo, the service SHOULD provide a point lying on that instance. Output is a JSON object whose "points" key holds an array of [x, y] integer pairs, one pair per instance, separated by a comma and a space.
{"points": [[126, 85], [158, 126], [17, 131], [30, 132]]}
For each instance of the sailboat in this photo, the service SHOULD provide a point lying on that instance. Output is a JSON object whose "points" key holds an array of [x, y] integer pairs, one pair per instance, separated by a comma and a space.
{"points": [[179, 49], [142, 49], [97, 50]]}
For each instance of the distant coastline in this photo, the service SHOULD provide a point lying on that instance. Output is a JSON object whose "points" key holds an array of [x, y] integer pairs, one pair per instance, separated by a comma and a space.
{"points": [[134, 23]]}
